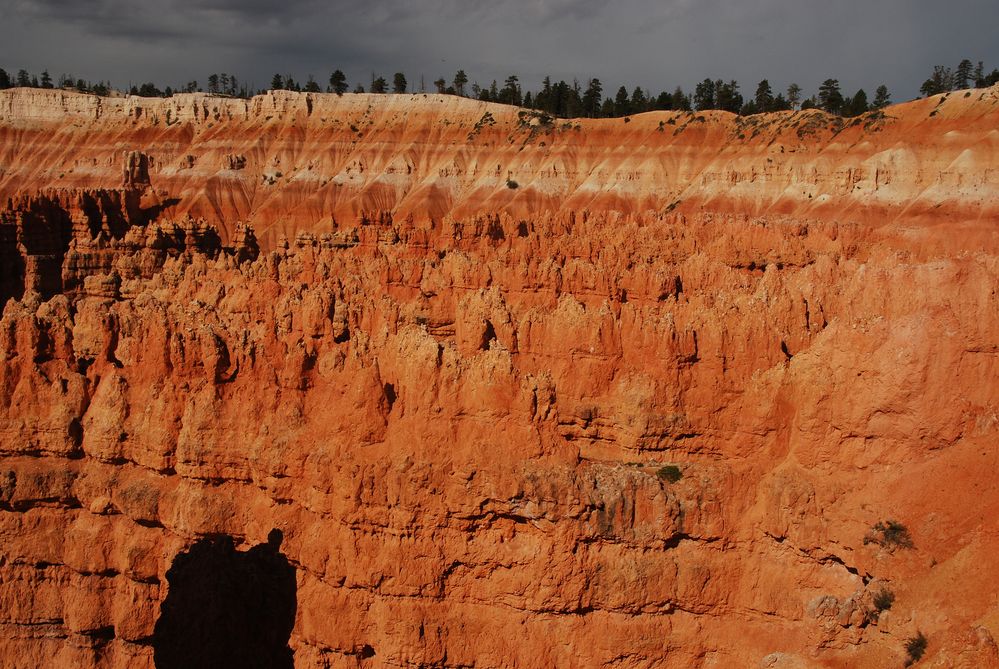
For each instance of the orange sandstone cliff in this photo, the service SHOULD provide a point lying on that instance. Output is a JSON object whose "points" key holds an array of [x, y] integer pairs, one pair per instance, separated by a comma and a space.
{"points": [[449, 384]]}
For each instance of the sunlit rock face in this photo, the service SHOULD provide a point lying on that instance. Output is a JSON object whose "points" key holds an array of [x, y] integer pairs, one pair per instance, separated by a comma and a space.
{"points": [[310, 367]]}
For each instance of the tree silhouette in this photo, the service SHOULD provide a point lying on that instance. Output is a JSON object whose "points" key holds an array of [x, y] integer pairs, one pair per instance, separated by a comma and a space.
{"points": [[440, 84], [856, 105], [147, 90], [764, 97], [979, 75], [639, 101], [704, 95], [460, 79], [962, 75], [338, 82], [830, 97], [793, 95], [510, 93], [681, 101], [591, 98], [46, 79], [311, 86], [622, 103], [5, 81], [882, 98], [379, 85], [664, 101], [277, 82], [399, 83], [727, 96], [941, 81]]}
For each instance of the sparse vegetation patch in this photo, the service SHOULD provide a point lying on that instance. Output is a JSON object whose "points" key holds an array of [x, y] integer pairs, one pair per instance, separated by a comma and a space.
{"points": [[890, 534]]}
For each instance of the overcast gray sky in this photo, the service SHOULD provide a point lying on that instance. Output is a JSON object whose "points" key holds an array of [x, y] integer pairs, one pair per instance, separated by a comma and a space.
{"points": [[654, 44]]}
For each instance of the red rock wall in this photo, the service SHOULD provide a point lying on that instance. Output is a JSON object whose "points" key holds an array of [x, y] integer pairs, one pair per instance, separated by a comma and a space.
{"points": [[457, 424], [286, 162]]}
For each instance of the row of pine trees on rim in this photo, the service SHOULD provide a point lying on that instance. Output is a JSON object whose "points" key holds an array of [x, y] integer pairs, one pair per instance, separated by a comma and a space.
{"points": [[562, 99]]}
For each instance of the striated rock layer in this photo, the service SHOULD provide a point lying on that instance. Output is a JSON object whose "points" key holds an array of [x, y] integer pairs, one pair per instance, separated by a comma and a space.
{"points": [[453, 405], [286, 162]]}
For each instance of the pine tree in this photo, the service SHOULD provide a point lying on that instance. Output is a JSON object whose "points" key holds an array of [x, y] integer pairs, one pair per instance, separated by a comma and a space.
{"points": [[573, 101], [764, 98], [312, 86], [962, 75], [881, 97], [544, 99], [5, 81], [277, 83], [793, 95], [941, 81], [830, 97], [213, 84], [622, 104], [46, 79], [510, 94], [664, 102], [440, 84], [856, 105], [338, 82], [591, 98], [639, 101], [704, 95], [727, 96], [681, 101], [460, 79], [379, 85], [980, 75], [399, 83]]}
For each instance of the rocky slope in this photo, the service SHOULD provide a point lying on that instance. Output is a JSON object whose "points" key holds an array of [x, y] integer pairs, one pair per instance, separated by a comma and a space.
{"points": [[457, 400]]}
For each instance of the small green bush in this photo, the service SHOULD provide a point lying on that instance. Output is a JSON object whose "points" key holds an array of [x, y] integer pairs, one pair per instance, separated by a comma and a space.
{"points": [[670, 473], [891, 534], [883, 599], [915, 647]]}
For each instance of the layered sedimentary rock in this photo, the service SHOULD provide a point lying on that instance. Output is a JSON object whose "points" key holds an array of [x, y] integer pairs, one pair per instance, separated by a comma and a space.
{"points": [[509, 429], [286, 162]]}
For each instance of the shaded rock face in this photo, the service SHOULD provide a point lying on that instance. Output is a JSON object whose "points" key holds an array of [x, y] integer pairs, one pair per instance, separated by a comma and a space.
{"points": [[575, 439], [42, 236], [227, 608]]}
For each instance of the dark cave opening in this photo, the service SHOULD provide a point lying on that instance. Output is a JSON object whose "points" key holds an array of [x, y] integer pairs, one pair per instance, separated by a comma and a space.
{"points": [[227, 608]]}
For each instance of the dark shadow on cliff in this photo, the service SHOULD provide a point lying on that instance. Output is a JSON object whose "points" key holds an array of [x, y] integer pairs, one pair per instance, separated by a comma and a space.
{"points": [[225, 608]]}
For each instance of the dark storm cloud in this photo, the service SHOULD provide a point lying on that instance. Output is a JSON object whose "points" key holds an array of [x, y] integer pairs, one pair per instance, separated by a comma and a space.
{"points": [[652, 43]]}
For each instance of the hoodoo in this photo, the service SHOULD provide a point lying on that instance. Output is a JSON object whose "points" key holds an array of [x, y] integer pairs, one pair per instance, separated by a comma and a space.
{"points": [[414, 380]]}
